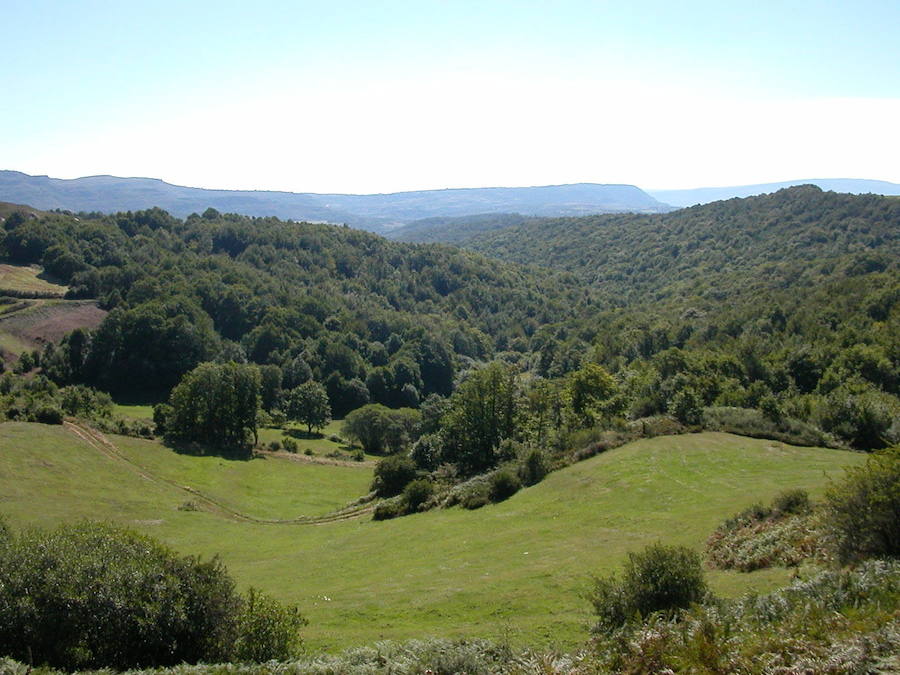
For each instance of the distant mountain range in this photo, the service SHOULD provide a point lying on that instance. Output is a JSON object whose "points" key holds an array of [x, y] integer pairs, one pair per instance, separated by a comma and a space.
{"points": [[680, 198], [378, 212]]}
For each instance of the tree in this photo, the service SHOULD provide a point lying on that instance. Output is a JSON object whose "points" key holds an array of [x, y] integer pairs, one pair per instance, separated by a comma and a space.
{"points": [[308, 404], [378, 428], [482, 413], [216, 403], [392, 474], [863, 510], [590, 389], [270, 384], [94, 596]]}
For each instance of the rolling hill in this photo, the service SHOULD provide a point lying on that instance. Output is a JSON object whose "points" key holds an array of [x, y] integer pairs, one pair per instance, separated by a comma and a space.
{"points": [[516, 567], [690, 197], [732, 246], [378, 212]]}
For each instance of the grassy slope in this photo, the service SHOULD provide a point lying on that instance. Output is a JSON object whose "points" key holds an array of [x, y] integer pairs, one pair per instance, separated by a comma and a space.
{"points": [[28, 279], [318, 444], [512, 569]]}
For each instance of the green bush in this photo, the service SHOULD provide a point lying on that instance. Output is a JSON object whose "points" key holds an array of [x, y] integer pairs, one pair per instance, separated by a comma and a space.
{"points": [[753, 423], [658, 579], [392, 475], [91, 596], [389, 508], [534, 467], [791, 502], [48, 414], [504, 484], [416, 493], [267, 630], [686, 407], [862, 512]]}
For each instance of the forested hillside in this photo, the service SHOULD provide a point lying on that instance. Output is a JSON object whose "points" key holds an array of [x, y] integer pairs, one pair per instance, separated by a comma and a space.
{"points": [[371, 319], [790, 301], [754, 316], [795, 237]]}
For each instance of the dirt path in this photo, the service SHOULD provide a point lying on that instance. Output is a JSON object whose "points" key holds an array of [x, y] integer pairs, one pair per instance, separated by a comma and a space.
{"points": [[103, 445]]}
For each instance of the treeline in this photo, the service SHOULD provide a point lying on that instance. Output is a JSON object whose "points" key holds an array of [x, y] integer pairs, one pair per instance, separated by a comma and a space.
{"points": [[785, 303], [372, 320], [776, 316]]}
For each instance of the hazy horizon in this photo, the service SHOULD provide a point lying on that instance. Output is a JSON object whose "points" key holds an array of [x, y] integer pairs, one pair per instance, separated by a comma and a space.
{"points": [[369, 98]]}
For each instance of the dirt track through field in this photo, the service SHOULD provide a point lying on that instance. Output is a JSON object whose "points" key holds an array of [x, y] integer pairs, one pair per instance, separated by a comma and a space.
{"points": [[104, 446]]}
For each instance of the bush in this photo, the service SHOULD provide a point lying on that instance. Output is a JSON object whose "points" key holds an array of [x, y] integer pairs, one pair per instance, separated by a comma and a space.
{"points": [[861, 512], [791, 502], [389, 508], [48, 414], [267, 630], [686, 407], [392, 475], [753, 423], [290, 445], [91, 596], [658, 579], [416, 493], [504, 484], [533, 468]]}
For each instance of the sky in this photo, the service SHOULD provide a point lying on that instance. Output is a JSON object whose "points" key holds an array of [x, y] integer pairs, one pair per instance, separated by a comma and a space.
{"points": [[383, 96]]}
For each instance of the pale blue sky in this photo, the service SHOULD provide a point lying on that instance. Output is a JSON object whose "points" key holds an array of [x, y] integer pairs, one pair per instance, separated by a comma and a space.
{"points": [[382, 96]]}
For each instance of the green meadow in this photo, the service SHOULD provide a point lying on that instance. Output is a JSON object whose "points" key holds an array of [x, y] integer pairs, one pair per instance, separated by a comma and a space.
{"points": [[513, 571]]}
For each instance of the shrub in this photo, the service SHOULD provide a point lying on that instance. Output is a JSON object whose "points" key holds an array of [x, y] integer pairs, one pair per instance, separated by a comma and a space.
{"points": [[48, 414], [791, 502], [392, 475], [416, 493], [475, 499], [267, 630], [504, 484], [533, 468], [658, 579], [290, 445], [750, 422], [785, 534], [91, 596], [686, 407], [426, 452], [862, 510], [860, 415], [389, 508]]}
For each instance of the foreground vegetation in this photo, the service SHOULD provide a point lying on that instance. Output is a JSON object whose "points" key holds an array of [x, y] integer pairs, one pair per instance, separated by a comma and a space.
{"points": [[545, 399], [531, 554], [660, 617]]}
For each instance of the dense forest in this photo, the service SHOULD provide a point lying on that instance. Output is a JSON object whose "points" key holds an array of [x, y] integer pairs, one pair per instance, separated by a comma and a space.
{"points": [[331, 303], [785, 304]]}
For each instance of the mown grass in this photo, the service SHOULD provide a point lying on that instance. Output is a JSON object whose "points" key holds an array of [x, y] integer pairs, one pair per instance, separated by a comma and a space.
{"points": [[262, 487], [513, 570], [319, 443]]}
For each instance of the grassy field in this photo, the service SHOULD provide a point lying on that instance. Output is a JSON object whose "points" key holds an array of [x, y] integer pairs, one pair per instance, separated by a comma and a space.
{"points": [[138, 412], [513, 570], [28, 279], [319, 444]]}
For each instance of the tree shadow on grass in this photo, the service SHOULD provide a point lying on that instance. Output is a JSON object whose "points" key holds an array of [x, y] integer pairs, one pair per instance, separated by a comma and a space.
{"points": [[194, 449], [304, 435]]}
